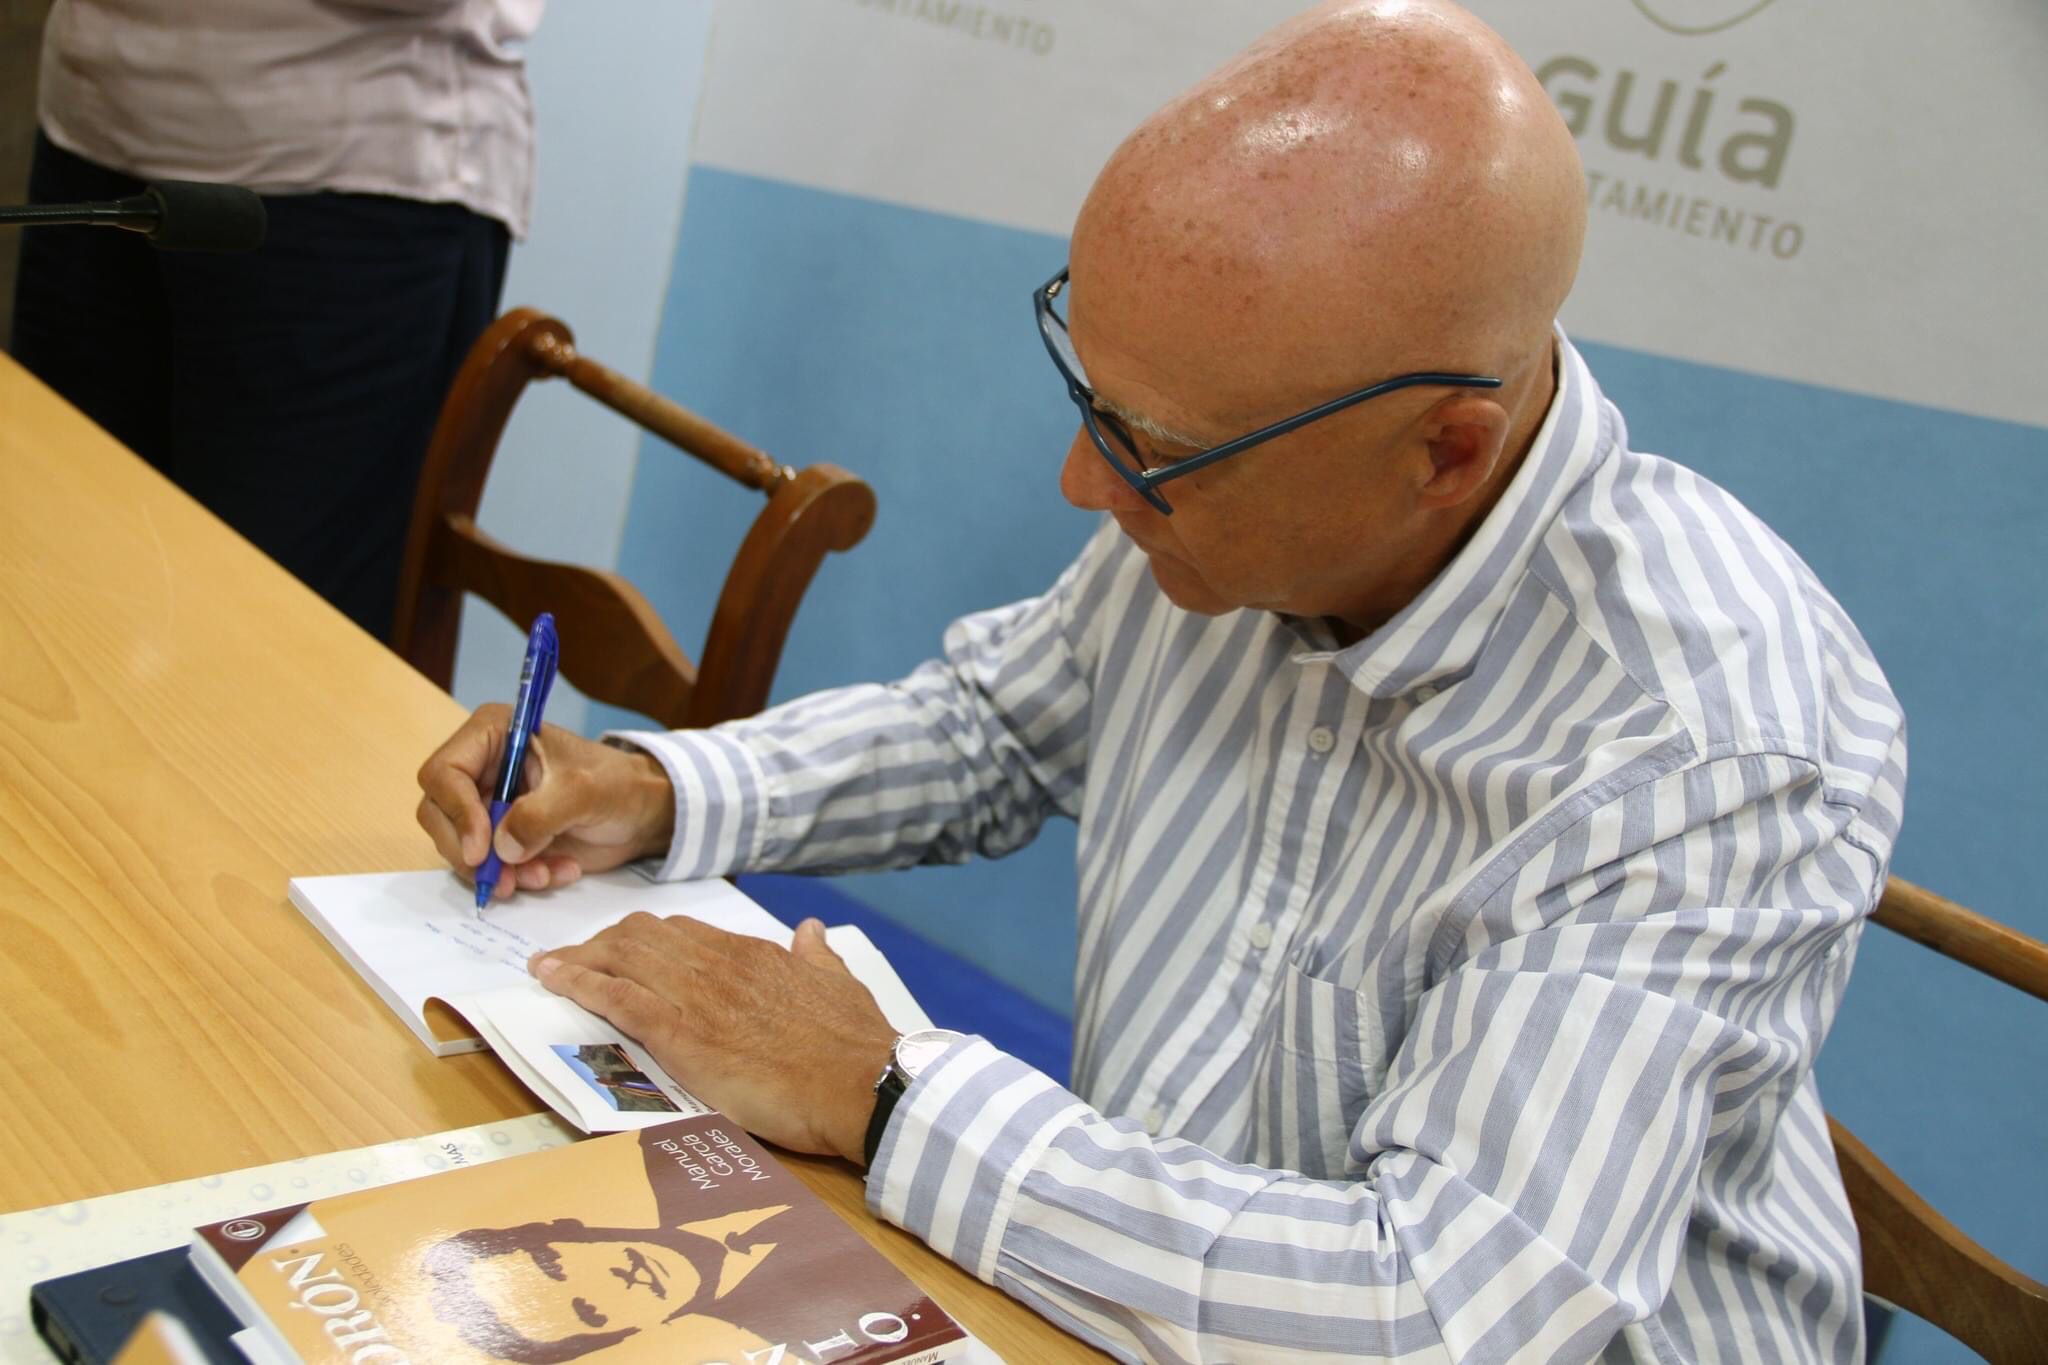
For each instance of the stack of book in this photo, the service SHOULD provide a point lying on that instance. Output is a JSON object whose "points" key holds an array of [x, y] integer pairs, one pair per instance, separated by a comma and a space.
{"points": [[674, 1239], [683, 1243]]}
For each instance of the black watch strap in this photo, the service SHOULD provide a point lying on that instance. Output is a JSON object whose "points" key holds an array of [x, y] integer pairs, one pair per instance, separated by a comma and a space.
{"points": [[888, 1090]]}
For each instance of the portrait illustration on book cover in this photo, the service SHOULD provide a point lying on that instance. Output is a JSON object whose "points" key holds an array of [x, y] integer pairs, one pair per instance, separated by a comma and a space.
{"points": [[591, 1288], [682, 1243]]}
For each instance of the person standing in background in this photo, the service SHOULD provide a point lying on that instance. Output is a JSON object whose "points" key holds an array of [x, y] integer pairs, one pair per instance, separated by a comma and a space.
{"points": [[292, 390]]}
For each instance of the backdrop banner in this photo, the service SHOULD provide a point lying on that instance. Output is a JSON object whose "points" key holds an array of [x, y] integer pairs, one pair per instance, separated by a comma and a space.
{"points": [[1836, 197]]}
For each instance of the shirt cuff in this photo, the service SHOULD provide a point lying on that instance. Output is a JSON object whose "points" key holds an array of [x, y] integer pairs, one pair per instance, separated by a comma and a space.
{"points": [[721, 800], [958, 1147]]}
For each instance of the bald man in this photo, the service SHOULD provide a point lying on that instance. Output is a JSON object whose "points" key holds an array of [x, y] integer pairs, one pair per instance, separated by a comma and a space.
{"points": [[1477, 817]]}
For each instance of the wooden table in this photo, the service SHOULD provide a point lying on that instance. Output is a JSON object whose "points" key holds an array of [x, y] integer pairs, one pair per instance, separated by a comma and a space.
{"points": [[183, 727]]}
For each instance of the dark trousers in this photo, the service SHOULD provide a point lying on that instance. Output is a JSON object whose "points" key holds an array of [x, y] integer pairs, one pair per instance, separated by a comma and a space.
{"points": [[292, 389]]}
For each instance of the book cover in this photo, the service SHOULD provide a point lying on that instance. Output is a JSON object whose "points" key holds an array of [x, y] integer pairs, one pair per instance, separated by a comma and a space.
{"points": [[685, 1243]]}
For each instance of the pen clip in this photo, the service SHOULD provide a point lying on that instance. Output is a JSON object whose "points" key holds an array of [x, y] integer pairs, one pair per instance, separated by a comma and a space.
{"points": [[547, 647]]}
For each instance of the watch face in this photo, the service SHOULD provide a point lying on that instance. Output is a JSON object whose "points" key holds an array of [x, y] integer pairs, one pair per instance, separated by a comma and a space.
{"points": [[916, 1051]]}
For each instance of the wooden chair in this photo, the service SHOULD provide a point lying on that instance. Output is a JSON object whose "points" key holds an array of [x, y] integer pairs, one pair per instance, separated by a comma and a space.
{"points": [[1912, 1256], [614, 646]]}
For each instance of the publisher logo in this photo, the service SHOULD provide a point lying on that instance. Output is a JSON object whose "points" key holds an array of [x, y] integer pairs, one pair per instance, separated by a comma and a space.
{"points": [[1696, 18], [1656, 146], [242, 1229]]}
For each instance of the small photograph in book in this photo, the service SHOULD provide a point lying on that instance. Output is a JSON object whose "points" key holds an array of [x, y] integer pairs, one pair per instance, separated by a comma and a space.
{"points": [[616, 1078]]}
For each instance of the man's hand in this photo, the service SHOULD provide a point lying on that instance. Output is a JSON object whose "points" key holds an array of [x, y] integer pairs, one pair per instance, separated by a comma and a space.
{"points": [[586, 807], [787, 1044]]}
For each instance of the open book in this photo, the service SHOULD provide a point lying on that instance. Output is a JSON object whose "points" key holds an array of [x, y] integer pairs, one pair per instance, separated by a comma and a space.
{"points": [[458, 978]]}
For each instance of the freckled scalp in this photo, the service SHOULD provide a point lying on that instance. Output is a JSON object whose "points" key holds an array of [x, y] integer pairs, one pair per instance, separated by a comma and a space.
{"points": [[1373, 186]]}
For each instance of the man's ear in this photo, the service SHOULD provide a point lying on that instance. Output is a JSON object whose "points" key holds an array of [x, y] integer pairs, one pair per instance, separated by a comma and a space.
{"points": [[1466, 436]]}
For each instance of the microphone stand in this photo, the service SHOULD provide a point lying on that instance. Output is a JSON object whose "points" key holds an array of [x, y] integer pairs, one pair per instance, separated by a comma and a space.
{"points": [[175, 215], [137, 213]]}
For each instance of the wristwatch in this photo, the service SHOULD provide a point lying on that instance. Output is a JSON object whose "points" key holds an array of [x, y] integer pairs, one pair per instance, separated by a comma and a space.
{"points": [[912, 1053]]}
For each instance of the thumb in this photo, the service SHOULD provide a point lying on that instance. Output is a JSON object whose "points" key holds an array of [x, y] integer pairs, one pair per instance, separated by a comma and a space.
{"points": [[532, 822], [809, 945]]}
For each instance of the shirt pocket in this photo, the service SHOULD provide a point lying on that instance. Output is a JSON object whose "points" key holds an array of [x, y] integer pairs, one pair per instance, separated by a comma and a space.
{"points": [[1324, 1061]]}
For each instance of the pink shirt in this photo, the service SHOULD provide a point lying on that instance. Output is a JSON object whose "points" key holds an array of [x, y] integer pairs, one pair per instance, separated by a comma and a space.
{"points": [[424, 99]]}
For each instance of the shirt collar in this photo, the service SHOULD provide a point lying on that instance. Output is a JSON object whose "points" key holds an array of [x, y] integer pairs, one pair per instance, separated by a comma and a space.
{"points": [[1436, 638]]}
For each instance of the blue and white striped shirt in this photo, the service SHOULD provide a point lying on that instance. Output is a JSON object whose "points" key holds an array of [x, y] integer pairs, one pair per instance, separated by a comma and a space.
{"points": [[1452, 995]]}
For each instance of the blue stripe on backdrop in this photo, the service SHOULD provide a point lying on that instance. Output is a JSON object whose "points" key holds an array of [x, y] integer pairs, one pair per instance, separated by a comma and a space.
{"points": [[898, 343]]}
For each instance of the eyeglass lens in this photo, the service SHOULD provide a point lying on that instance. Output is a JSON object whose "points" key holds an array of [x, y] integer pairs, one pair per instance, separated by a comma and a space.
{"points": [[1106, 425]]}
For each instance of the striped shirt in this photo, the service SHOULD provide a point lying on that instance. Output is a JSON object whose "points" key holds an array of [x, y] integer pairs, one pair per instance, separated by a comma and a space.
{"points": [[1453, 995]]}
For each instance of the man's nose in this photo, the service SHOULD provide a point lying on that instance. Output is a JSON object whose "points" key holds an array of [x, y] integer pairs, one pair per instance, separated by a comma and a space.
{"points": [[1087, 481]]}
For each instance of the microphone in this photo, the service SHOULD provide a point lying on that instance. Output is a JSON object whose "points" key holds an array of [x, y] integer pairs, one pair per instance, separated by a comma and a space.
{"points": [[176, 215]]}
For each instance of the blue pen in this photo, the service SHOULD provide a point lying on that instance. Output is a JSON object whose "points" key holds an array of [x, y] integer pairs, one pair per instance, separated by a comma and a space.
{"points": [[536, 676]]}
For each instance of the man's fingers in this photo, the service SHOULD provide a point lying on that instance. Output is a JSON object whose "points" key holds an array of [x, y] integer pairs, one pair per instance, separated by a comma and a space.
{"points": [[679, 959], [809, 943], [626, 1005], [453, 778], [653, 952], [557, 803], [548, 870], [458, 799], [678, 936], [538, 874], [473, 746], [439, 828]]}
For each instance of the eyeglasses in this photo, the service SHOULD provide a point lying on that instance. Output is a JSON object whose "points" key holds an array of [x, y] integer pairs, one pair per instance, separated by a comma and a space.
{"points": [[1114, 439]]}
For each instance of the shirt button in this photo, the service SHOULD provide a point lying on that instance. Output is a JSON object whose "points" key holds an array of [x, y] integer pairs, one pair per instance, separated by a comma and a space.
{"points": [[1155, 1119], [1424, 692], [1262, 936], [1321, 740]]}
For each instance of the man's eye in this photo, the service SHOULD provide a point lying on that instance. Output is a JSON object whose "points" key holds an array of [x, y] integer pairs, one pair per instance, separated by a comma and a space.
{"points": [[1138, 446], [1111, 423], [1160, 454], [638, 1271]]}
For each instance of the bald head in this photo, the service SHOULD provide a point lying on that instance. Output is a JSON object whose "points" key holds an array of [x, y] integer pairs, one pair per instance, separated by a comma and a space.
{"points": [[1374, 187]]}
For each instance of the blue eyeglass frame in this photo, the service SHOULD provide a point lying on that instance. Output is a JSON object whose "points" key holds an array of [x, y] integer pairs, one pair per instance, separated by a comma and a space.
{"points": [[1052, 329]]}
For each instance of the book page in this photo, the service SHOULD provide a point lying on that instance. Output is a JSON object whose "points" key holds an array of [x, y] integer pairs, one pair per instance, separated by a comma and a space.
{"points": [[418, 935], [586, 1070], [604, 1082], [161, 1340], [872, 970]]}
